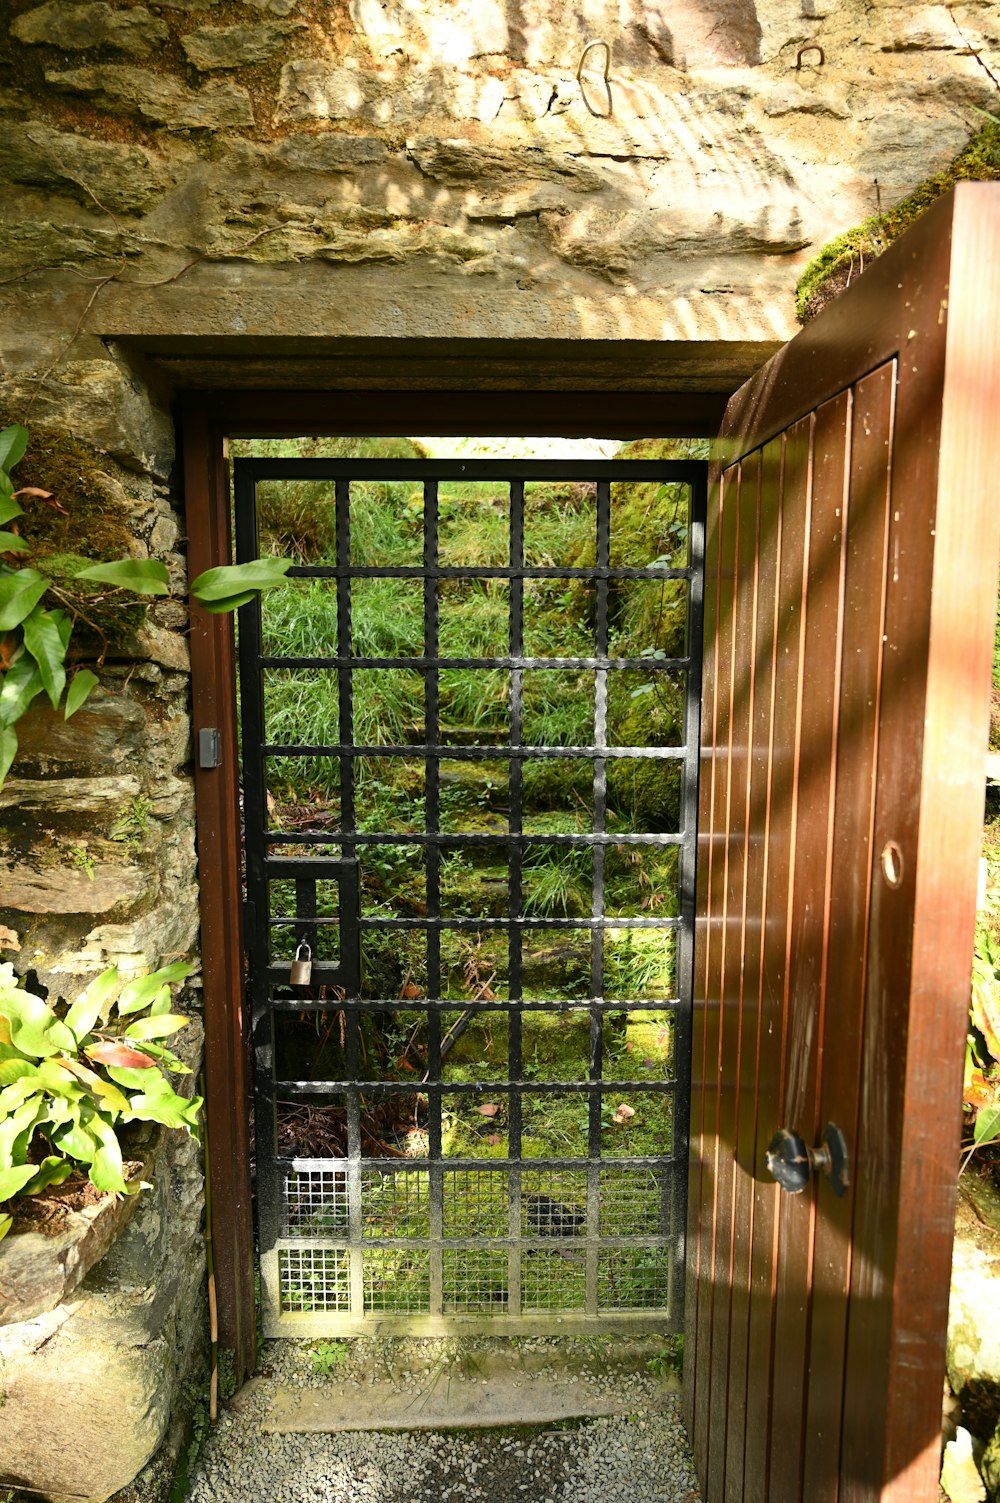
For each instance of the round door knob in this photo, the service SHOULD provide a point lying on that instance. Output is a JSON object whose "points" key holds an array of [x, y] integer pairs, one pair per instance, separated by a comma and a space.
{"points": [[788, 1161], [792, 1164]]}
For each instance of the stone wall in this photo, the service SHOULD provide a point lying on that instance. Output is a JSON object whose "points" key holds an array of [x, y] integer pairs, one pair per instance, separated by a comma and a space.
{"points": [[92, 1387], [404, 170]]}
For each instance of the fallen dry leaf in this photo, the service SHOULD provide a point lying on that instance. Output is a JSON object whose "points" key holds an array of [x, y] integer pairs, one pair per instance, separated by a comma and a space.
{"points": [[110, 1053], [493, 1139], [624, 1114], [8, 939], [33, 490], [489, 1109]]}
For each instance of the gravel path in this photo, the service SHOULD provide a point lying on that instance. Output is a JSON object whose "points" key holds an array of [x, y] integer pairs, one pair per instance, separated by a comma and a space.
{"points": [[639, 1458]]}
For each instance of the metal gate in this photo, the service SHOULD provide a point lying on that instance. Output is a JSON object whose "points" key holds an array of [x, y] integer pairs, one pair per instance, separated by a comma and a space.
{"points": [[473, 1112]]}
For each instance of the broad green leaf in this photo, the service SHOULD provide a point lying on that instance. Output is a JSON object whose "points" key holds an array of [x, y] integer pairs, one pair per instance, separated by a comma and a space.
{"points": [[160, 1004], [51, 1171], [16, 1130], [166, 1057], [44, 640], [107, 1095], [77, 1140], [12, 542], [58, 1080], [227, 603], [89, 1004], [82, 682], [149, 1081], [15, 1069], [232, 580], [8, 749], [20, 684], [14, 1096], [143, 576], [20, 592], [987, 1125], [160, 1026], [167, 1108], [107, 1169], [141, 992], [6, 1222], [34, 1028], [9, 508], [14, 1179], [13, 442]]}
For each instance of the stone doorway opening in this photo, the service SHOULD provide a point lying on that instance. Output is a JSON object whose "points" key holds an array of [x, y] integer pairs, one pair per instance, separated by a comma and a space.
{"points": [[469, 764], [234, 436]]}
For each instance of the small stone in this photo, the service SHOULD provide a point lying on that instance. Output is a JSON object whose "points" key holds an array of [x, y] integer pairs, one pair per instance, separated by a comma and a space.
{"points": [[134, 31], [236, 46]]}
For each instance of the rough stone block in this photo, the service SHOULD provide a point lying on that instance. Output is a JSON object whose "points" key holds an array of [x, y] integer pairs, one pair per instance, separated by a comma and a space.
{"points": [[212, 47], [462, 161], [126, 179], [41, 1269], [133, 30], [86, 797], [960, 1477], [128, 1337], [974, 1343], [158, 98], [330, 152], [900, 148], [98, 889], [99, 400], [110, 729]]}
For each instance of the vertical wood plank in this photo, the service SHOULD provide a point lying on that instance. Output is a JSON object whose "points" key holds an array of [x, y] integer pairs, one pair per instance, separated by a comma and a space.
{"points": [[810, 921], [962, 591], [715, 951], [701, 1085], [730, 1000], [865, 533], [788, 577], [808, 820], [756, 886]]}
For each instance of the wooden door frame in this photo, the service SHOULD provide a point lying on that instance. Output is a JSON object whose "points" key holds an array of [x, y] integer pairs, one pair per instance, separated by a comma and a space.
{"points": [[206, 420]]}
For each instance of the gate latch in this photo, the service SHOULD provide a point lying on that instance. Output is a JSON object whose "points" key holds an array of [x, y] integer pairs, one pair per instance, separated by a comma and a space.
{"points": [[792, 1164]]}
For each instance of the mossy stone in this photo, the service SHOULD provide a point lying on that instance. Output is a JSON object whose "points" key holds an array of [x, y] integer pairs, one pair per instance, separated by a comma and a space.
{"points": [[848, 254]]}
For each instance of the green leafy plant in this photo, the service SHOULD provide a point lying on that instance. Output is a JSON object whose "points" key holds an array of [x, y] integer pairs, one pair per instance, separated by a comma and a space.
{"points": [[70, 1077], [39, 610], [328, 1355], [981, 1092]]}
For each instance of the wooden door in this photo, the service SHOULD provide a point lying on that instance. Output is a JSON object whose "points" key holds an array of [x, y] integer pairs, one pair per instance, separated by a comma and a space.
{"points": [[850, 588]]}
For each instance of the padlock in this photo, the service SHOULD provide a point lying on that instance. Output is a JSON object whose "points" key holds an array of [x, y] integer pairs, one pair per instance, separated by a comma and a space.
{"points": [[302, 966]]}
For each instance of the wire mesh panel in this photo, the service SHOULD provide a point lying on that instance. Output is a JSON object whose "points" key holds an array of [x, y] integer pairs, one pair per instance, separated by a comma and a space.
{"points": [[469, 743]]}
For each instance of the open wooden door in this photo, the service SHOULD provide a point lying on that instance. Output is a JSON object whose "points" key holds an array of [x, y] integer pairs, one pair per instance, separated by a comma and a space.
{"points": [[854, 520]]}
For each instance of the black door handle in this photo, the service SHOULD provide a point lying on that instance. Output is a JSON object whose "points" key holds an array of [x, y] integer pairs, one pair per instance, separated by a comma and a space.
{"points": [[792, 1163]]}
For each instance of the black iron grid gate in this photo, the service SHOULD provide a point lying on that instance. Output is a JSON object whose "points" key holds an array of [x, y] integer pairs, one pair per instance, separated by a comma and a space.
{"points": [[588, 1240]]}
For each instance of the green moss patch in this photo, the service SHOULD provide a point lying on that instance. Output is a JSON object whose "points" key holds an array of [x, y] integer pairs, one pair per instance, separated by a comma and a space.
{"points": [[848, 254]]}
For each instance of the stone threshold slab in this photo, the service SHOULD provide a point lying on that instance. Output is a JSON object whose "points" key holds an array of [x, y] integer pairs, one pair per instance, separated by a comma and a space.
{"points": [[443, 1401]]}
